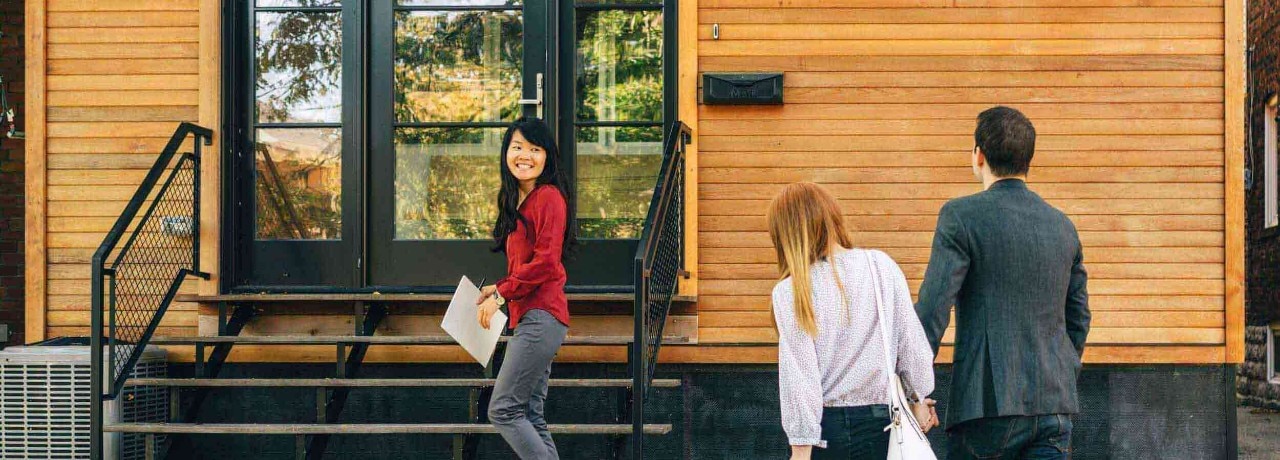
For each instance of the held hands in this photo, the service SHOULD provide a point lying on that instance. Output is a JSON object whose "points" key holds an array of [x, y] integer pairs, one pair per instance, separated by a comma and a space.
{"points": [[926, 413], [488, 305]]}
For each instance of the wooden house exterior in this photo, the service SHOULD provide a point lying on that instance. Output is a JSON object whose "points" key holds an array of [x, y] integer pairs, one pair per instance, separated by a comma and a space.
{"points": [[1138, 104]]}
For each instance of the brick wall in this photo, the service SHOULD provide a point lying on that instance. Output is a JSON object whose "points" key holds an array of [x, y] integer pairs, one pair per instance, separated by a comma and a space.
{"points": [[11, 173], [1263, 249]]}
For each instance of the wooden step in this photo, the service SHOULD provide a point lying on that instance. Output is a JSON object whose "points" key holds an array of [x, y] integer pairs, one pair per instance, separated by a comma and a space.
{"points": [[379, 383], [377, 340], [369, 428]]}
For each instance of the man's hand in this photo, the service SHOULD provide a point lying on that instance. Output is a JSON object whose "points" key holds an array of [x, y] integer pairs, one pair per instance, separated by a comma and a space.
{"points": [[801, 452], [488, 307], [486, 293], [933, 415]]}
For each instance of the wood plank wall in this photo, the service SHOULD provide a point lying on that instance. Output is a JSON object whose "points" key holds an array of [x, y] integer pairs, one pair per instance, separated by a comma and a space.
{"points": [[121, 74], [1127, 97]]}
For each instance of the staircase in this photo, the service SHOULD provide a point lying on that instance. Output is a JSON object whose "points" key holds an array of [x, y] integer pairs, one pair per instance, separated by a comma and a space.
{"points": [[134, 283]]}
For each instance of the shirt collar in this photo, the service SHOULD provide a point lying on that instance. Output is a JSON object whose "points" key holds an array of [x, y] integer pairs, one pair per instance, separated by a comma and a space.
{"points": [[1009, 183]]}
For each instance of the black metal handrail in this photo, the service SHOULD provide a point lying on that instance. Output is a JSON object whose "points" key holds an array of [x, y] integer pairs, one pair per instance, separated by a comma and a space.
{"points": [[133, 284], [659, 264]]}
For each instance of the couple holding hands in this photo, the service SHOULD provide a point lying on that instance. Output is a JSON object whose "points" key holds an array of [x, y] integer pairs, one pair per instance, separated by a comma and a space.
{"points": [[1010, 264]]}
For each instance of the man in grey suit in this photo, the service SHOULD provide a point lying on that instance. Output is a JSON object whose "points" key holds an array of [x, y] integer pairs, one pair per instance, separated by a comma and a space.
{"points": [[1012, 266]]}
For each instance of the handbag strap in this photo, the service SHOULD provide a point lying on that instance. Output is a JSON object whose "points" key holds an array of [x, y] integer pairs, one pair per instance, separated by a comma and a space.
{"points": [[885, 330]]}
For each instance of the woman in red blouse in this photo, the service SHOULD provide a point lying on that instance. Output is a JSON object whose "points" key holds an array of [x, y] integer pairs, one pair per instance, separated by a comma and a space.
{"points": [[535, 228]]}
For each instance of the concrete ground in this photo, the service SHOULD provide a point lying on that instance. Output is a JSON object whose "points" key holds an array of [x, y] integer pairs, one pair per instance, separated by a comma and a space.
{"points": [[1259, 431]]}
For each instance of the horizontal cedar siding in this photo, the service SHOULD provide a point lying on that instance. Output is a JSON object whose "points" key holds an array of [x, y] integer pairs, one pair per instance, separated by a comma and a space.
{"points": [[881, 97], [1127, 97], [121, 75]]}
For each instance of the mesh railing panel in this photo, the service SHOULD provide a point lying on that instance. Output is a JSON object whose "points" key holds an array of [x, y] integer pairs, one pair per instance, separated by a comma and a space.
{"points": [[665, 264], [661, 258], [148, 268]]}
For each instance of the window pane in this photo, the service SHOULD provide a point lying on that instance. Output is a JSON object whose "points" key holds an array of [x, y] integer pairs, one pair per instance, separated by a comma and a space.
{"points": [[1274, 353], [299, 67], [619, 73], [1271, 168], [458, 66], [297, 3], [446, 182], [459, 2], [299, 183], [617, 171]]}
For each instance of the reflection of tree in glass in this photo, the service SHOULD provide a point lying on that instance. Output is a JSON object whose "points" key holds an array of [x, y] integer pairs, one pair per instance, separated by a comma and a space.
{"points": [[457, 66], [298, 61], [446, 191], [619, 79], [299, 193], [625, 48], [615, 185]]}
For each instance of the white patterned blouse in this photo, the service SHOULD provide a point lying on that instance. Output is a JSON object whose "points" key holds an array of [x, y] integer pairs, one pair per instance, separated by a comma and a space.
{"points": [[844, 365]]}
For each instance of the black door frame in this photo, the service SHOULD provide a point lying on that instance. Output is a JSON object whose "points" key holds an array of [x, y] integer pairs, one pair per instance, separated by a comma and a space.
{"points": [[358, 39], [294, 265], [584, 276], [400, 265]]}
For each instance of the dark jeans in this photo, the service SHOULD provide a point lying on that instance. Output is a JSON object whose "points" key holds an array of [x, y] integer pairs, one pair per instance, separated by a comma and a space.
{"points": [[1039, 437], [854, 433]]}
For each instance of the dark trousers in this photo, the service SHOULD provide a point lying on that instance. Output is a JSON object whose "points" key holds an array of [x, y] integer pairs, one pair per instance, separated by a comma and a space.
{"points": [[854, 433], [520, 393], [1037, 437]]}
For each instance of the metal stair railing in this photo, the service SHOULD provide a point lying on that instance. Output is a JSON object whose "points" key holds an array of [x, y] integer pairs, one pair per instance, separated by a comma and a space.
{"points": [[659, 264], [133, 284]]}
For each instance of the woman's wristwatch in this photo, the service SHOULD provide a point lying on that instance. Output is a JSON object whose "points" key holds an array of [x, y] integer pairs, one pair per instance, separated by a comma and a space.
{"points": [[498, 298]]}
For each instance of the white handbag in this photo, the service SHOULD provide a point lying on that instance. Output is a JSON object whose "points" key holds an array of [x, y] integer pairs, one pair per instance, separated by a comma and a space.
{"points": [[906, 440]]}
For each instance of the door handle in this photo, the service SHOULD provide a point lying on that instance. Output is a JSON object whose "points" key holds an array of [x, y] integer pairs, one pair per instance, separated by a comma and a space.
{"points": [[538, 95]]}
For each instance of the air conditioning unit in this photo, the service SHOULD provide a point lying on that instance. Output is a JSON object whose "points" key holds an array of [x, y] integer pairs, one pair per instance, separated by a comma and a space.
{"points": [[44, 404]]}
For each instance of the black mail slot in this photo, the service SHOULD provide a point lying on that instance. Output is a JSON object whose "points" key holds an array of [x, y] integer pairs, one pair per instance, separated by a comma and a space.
{"points": [[741, 88]]}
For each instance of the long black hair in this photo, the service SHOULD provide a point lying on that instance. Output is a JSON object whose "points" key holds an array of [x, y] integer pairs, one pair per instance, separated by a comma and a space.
{"points": [[537, 133]]}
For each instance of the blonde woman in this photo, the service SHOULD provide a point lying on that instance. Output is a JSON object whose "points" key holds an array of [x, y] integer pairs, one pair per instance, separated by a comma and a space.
{"points": [[833, 388]]}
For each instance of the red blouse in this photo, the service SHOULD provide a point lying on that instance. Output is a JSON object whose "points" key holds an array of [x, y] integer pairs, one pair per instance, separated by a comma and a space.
{"points": [[535, 275]]}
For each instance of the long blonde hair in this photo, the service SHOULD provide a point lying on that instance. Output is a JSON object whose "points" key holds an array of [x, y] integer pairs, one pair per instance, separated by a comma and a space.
{"points": [[804, 221]]}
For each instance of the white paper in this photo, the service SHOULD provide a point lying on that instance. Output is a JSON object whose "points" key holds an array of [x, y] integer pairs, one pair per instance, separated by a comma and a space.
{"points": [[461, 322]]}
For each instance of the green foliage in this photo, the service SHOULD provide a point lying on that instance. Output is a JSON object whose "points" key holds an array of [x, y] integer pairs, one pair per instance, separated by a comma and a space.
{"points": [[458, 67], [446, 191], [299, 60], [627, 46]]}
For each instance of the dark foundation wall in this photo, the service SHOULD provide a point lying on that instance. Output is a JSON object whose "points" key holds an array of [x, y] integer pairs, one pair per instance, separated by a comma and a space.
{"points": [[1262, 251], [11, 173], [723, 413]]}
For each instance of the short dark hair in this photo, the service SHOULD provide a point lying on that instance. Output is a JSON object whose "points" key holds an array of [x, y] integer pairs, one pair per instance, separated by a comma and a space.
{"points": [[1007, 140]]}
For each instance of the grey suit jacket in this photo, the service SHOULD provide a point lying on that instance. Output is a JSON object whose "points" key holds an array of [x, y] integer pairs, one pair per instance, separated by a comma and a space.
{"points": [[1012, 266]]}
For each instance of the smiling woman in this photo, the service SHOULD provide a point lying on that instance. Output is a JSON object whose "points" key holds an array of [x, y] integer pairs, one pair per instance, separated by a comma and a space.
{"points": [[535, 229]]}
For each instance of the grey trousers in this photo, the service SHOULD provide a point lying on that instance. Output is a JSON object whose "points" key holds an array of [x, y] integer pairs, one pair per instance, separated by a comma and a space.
{"points": [[520, 393]]}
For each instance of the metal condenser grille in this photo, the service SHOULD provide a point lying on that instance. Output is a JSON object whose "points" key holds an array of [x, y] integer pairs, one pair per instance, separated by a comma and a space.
{"points": [[44, 403]]}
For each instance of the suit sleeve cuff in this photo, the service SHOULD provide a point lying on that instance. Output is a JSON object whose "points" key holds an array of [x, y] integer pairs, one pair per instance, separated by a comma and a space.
{"points": [[816, 442]]}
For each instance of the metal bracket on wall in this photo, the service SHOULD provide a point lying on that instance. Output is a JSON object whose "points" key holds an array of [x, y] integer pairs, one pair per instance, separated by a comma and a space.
{"points": [[8, 115]]}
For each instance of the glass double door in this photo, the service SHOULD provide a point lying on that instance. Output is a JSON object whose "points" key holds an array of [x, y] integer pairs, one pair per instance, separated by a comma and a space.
{"points": [[373, 133]]}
